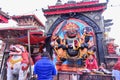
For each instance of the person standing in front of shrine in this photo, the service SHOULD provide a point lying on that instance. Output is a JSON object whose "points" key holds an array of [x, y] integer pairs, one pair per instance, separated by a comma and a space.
{"points": [[44, 68], [91, 63], [116, 70]]}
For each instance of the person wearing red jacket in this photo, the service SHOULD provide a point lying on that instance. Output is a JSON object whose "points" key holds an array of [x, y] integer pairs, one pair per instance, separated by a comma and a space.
{"points": [[91, 63]]}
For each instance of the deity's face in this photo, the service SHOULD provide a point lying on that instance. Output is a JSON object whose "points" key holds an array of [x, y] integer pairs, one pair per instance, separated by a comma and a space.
{"points": [[71, 33], [71, 30]]}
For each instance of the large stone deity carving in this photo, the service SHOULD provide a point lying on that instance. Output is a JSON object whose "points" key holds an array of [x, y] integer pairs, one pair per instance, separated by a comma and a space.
{"points": [[73, 43]]}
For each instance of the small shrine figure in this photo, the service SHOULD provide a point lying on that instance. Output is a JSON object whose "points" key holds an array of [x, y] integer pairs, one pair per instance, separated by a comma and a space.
{"points": [[111, 47]]}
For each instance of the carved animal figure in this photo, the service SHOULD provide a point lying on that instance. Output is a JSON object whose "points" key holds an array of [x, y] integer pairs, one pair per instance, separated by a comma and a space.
{"points": [[18, 63]]}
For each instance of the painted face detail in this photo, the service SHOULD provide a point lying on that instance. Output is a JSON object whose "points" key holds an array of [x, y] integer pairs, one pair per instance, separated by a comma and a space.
{"points": [[71, 33], [71, 30]]}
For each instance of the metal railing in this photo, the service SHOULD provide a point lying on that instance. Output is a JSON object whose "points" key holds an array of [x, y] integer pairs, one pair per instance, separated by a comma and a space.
{"points": [[76, 76]]}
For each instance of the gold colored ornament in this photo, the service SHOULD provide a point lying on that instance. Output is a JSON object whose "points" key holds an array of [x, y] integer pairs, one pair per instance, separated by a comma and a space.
{"points": [[12, 61]]}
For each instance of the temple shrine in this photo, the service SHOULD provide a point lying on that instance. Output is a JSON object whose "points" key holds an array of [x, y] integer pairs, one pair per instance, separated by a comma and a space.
{"points": [[83, 13], [74, 35], [81, 25], [29, 20]]}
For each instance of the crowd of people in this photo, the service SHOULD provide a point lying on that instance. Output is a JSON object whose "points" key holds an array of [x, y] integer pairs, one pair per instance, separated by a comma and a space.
{"points": [[45, 68]]}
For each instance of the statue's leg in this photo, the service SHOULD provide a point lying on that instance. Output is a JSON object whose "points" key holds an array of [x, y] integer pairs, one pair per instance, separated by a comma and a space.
{"points": [[32, 69], [9, 74], [22, 74]]}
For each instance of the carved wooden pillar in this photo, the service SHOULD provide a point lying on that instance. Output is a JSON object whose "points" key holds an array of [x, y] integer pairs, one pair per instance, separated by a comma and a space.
{"points": [[100, 47]]}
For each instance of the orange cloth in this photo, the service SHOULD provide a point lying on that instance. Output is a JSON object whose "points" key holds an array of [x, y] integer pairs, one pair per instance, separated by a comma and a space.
{"points": [[25, 56]]}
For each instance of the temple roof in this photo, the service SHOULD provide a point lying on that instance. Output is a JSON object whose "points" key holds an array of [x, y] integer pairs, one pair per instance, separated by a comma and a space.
{"points": [[28, 16], [89, 6], [15, 34], [4, 17]]}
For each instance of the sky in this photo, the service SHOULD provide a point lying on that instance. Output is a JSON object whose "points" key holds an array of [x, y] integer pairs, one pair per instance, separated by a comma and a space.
{"points": [[112, 12], [23, 7]]}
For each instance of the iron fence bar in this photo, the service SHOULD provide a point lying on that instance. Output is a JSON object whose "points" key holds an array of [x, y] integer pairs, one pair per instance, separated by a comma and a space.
{"points": [[85, 76], [58, 76]]}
